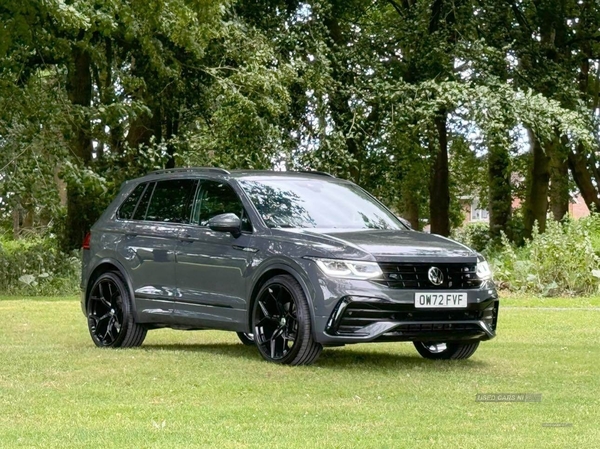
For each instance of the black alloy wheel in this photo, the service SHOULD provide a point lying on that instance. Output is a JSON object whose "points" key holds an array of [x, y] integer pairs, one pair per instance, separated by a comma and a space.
{"points": [[110, 319], [281, 323], [446, 351]]}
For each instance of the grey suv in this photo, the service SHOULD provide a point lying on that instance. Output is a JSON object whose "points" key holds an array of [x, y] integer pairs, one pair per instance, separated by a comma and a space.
{"points": [[291, 261]]}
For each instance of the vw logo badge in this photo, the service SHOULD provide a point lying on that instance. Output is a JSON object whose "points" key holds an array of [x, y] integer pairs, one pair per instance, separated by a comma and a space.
{"points": [[435, 275]]}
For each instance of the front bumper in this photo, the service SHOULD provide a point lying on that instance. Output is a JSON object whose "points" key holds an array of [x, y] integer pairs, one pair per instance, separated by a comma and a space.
{"points": [[373, 319], [348, 311]]}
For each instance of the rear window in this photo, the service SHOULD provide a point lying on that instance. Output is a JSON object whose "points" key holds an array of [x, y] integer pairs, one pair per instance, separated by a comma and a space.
{"points": [[127, 209], [172, 201]]}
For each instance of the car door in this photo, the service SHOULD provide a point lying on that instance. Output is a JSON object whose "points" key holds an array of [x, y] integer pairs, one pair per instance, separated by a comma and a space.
{"points": [[149, 243], [211, 266]]}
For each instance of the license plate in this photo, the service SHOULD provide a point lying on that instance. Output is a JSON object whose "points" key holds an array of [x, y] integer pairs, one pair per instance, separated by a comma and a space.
{"points": [[442, 300]]}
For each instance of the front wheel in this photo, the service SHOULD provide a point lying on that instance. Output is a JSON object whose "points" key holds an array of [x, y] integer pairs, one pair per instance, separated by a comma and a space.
{"points": [[446, 351], [281, 323]]}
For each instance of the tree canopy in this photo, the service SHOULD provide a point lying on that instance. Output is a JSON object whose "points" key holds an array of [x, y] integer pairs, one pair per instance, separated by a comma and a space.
{"points": [[422, 102]]}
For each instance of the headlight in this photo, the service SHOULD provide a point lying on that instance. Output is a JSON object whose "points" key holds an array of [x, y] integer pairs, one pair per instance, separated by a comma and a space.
{"points": [[348, 269], [483, 269]]}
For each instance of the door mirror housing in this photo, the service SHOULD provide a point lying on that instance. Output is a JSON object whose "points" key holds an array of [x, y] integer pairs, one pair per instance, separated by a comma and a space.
{"points": [[226, 223]]}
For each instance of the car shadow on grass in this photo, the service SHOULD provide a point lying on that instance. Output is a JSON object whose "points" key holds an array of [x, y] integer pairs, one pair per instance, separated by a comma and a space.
{"points": [[339, 358], [343, 358], [236, 350]]}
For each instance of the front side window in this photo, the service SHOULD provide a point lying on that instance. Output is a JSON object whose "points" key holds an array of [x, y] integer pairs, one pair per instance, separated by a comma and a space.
{"points": [[315, 203], [127, 209], [172, 201], [217, 198]]}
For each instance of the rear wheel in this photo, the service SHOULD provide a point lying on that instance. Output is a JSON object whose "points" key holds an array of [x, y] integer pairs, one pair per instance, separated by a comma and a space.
{"points": [[110, 317], [281, 323], [446, 351], [246, 338]]}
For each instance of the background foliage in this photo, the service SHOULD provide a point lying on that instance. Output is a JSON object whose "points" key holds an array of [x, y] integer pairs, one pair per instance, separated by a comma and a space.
{"points": [[564, 260], [427, 103], [36, 267]]}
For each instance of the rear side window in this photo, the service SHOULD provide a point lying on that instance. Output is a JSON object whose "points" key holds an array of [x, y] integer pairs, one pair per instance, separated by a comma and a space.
{"points": [[127, 209], [142, 207], [172, 201]]}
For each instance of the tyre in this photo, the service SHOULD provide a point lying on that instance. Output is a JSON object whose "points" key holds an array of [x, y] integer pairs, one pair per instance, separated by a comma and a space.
{"points": [[446, 351], [110, 317], [282, 325], [247, 339]]}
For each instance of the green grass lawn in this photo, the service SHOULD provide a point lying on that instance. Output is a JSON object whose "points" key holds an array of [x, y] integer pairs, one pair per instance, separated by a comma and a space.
{"points": [[186, 389]]}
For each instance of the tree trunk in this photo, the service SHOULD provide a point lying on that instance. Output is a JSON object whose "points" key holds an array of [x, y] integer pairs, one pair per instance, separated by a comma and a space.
{"points": [[61, 186], [171, 131], [144, 127], [583, 179], [28, 219], [577, 161], [536, 200], [500, 193], [16, 222], [439, 202], [339, 102], [79, 90], [410, 203], [559, 180]]}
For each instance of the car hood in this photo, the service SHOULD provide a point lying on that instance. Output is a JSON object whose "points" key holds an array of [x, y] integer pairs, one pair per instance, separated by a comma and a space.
{"points": [[393, 245]]}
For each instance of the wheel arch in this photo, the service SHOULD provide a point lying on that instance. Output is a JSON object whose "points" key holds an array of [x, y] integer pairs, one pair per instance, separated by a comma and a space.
{"points": [[103, 266], [275, 270]]}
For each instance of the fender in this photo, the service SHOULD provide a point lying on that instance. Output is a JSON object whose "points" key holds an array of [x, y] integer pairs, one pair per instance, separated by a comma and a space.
{"points": [[293, 269], [123, 272]]}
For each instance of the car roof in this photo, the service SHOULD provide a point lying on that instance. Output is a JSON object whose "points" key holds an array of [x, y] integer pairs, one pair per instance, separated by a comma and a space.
{"points": [[214, 172]]}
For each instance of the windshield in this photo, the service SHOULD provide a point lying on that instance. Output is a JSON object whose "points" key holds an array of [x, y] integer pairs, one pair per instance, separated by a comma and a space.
{"points": [[316, 203]]}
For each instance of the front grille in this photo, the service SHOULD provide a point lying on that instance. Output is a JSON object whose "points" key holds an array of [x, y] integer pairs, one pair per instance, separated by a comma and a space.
{"points": [[415, 275], [358, 315]]}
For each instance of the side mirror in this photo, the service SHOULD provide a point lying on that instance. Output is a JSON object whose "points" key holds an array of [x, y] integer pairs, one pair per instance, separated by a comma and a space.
{"points": [[405, 222], [226, 223]]}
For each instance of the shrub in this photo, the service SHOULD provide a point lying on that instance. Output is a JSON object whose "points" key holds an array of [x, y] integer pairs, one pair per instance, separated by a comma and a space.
{"points": [[563, 260], [475, 235], [36, 267]]}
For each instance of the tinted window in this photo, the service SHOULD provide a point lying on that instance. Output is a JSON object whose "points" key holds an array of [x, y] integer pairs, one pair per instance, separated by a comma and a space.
{"points": [[217, 198], [140, 211], [316, 203], [172, 201], [126, 210]]}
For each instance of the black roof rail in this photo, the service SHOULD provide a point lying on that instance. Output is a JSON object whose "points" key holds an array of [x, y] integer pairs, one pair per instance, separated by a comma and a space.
{"points": [[315, 172], [189, 169]]}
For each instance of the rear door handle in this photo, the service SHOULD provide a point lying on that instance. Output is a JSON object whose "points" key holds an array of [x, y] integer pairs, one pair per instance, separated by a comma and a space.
{"points": [[247, 249], [130, 232]]}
